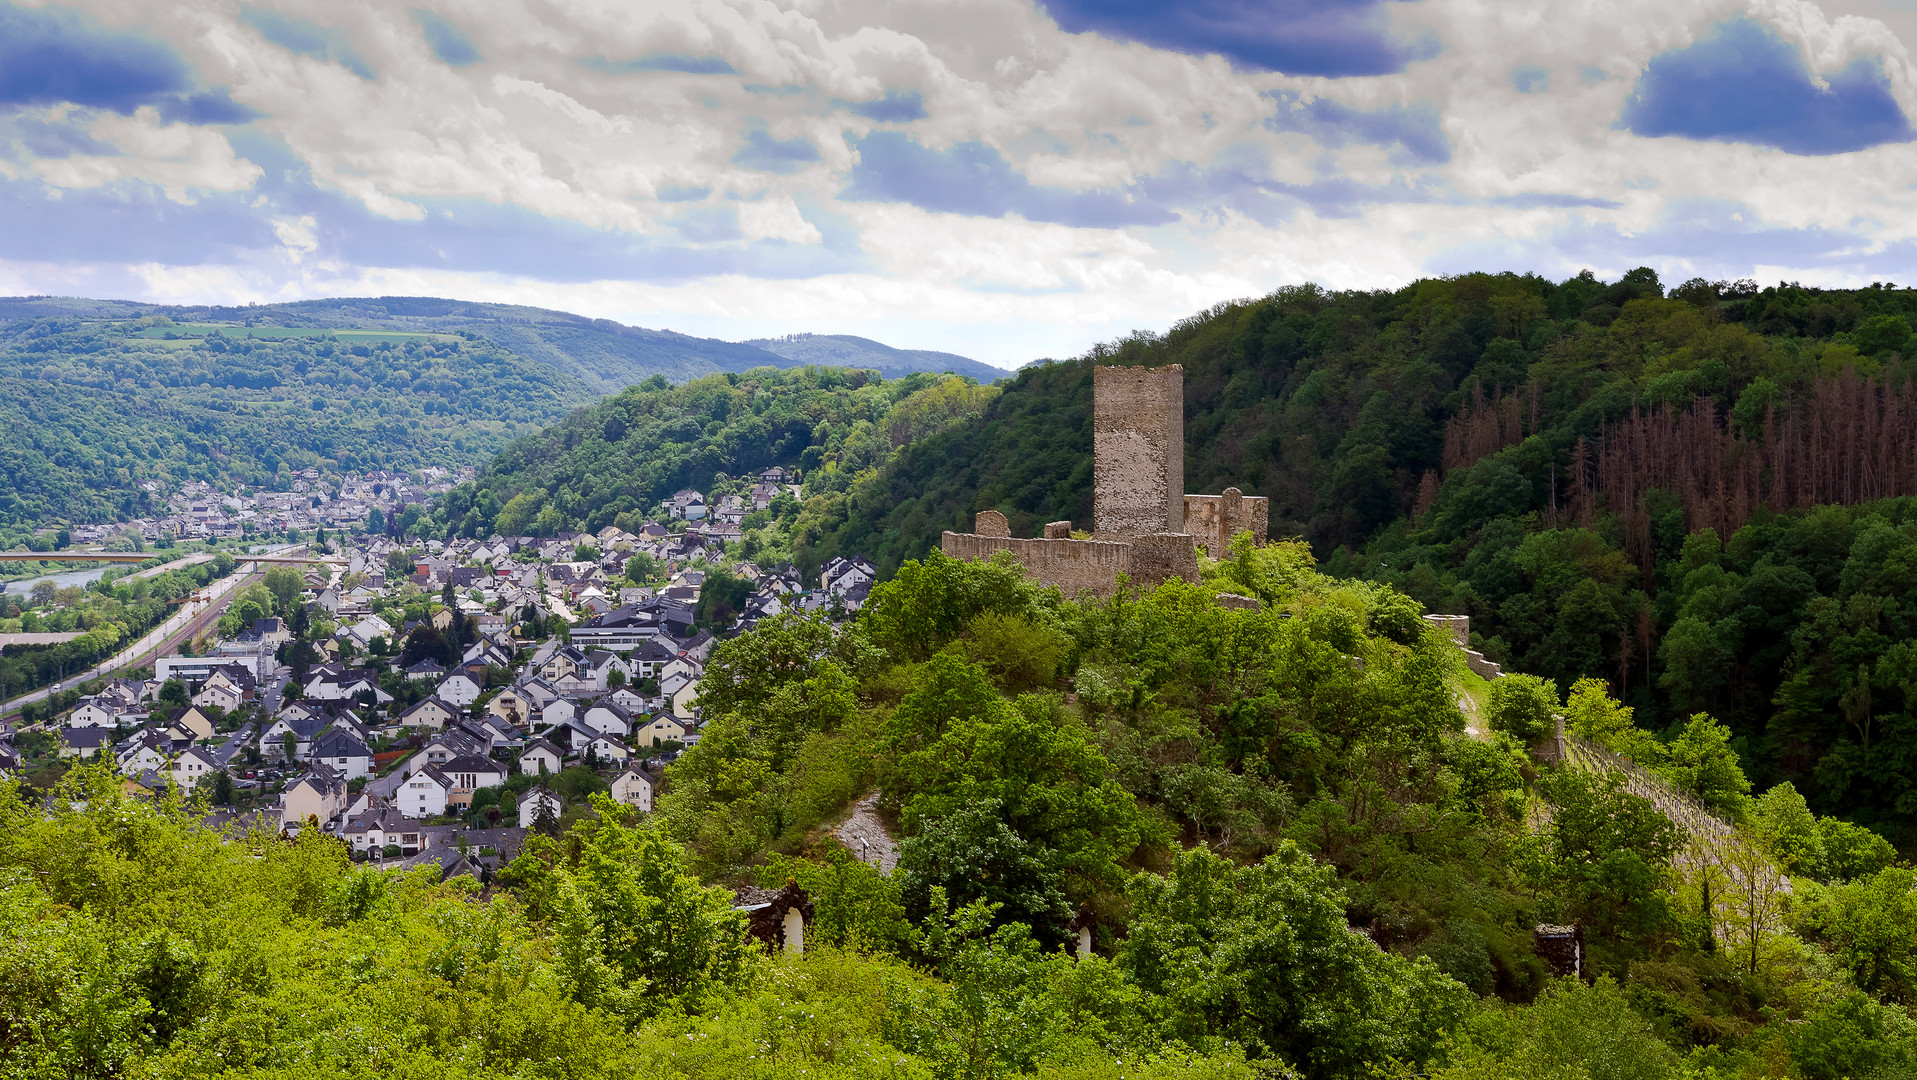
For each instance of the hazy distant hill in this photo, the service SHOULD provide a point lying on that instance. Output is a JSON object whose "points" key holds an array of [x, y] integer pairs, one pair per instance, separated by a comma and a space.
{"points": [[845, 350], [599, 352]]}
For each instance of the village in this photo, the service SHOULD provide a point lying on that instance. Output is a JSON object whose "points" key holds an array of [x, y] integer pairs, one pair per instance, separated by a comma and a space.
{"points": [[433, 702], [298, 502]]}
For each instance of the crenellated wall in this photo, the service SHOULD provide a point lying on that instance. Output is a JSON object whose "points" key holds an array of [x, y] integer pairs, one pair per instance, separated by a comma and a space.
{"points": [[1215, 519], [1073, 566], [1144, 525]]}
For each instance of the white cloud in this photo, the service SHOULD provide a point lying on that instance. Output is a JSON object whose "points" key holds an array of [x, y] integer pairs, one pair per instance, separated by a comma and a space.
{"points": [[776, 219], [176, 158], [558, 120]]}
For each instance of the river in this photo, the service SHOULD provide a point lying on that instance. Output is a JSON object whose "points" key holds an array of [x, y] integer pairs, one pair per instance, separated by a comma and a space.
{"points": [[60, 580], [81, 577]]}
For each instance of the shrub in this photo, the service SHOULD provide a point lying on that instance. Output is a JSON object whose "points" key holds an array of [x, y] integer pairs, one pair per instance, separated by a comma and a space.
{"points": [[1521, 705]]}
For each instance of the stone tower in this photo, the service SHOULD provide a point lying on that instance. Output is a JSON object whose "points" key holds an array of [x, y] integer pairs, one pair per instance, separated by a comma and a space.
{"points": [[1138, 451]]}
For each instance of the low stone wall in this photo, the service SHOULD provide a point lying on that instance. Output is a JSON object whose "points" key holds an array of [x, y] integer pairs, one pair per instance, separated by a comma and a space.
{"points": [[1240, 513], [1163, 556], [1073, 566]]}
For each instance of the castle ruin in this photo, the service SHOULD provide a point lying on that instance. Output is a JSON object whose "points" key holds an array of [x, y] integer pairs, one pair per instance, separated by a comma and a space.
{"points": [[1143, 524]]}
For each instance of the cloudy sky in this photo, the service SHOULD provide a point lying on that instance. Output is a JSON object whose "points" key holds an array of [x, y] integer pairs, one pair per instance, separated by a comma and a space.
{"points": [[1001, 178]]}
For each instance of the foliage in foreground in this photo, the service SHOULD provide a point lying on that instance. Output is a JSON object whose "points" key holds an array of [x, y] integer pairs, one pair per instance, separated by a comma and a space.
{"points": [[1294, 861]]}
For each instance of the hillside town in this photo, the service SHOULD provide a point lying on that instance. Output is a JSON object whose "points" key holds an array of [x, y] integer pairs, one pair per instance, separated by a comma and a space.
{"points": [[434, 702], [301, 501]]}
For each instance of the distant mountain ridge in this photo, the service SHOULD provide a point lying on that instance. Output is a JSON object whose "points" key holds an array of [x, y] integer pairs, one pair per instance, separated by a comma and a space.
{"points": [[846, 350], [605, 355]]}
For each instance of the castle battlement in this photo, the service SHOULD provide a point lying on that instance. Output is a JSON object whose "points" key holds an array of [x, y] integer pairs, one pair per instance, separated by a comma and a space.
{"points": [[1143, 524]]}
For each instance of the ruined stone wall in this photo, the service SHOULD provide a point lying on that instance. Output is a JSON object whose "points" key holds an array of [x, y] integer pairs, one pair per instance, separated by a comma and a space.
{"points": [[1072, 566], [1215, 519], [1160, 557], [1138, 451]]}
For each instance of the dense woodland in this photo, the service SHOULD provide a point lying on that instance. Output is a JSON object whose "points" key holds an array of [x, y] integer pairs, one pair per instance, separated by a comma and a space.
{"points": [[1700, 497], [89, 410], [614, 463], [1299, 864], [1553, 459]]}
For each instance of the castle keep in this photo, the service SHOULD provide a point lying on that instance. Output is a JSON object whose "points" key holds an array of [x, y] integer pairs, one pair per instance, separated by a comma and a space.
{"points": [[1143, 524]]}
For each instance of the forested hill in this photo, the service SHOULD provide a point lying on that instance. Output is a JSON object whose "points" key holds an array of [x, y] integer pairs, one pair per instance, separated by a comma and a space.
{"points": [[90, 410], [1542, 456], [603, 354], [845, 350], [1700, 496], [613, 463]]}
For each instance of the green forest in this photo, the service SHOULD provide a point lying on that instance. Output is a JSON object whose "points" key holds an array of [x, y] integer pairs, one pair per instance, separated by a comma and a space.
{"points": [[614, 463], [1700, 495], [1298, 856], [89, 410]]}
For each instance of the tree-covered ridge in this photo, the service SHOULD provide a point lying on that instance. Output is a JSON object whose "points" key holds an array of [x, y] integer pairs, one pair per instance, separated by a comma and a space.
{"points": [[1533, 454], [603, 354], [1337, 405], [90, 410], [614, 462]]}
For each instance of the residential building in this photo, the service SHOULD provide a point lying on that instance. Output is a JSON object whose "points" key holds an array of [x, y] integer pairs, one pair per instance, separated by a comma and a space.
{"points": [[533, 802], [633, 788]]}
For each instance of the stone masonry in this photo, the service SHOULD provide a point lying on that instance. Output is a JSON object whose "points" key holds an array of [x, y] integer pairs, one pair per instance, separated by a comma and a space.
{"points": [[1144, 526], [1138, 451]]}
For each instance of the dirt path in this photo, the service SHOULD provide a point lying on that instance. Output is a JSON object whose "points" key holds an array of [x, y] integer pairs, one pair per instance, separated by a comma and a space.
{"points": [[864, 833]]}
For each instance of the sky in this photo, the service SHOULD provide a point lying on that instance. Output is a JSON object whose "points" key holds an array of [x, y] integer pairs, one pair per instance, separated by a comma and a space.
{"points": [[1004, 179]]}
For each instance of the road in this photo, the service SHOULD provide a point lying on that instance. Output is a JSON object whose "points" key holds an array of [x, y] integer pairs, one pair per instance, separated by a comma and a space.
{"points": [[183, 626]]}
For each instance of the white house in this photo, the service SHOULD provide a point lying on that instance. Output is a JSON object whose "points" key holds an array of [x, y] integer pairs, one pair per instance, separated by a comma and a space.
{"points": [[532, 802], [91, 713], [83, 743], [365, 630], [634, 789], [377, 827], [344, 752], [217, 696], [151, 752], [609, 718], [558, 711], [470, 772], [607, 748], [459, 689], [425, 793], [541, 756]]}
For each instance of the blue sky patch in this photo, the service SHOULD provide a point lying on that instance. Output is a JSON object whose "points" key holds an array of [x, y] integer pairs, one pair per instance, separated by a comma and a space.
{"points": [[452, 47], [972, 178], [896, 107], [1414, 130], [1742, 83], [206, 107], [767, 154], [297, 35], [1297, 37], [51, 55], [135, 222], [689, 65], [1530, 80]]}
